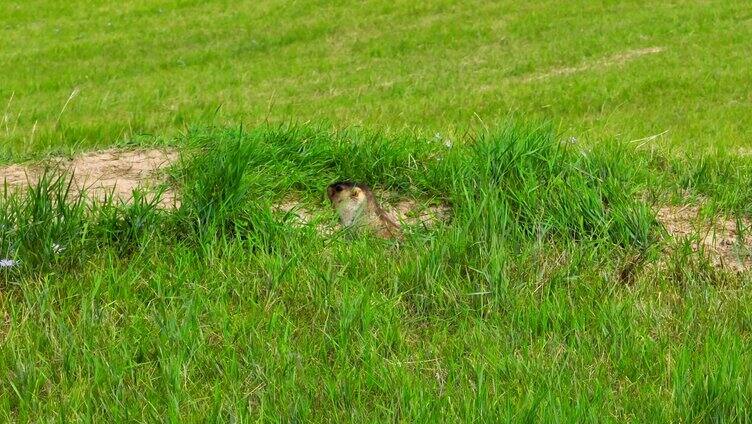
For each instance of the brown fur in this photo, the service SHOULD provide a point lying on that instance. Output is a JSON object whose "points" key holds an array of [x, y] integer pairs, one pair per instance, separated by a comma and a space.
{"points": [[357, 208]]}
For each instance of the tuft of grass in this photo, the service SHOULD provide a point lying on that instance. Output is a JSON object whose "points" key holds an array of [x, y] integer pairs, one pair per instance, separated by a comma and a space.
{"points": [[522, 180], [54, 227], [47, 226], [127, 225]]}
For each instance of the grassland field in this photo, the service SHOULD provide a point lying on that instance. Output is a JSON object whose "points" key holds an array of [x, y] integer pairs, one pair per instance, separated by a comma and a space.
{"points": [[94, 73], [552, 131]]}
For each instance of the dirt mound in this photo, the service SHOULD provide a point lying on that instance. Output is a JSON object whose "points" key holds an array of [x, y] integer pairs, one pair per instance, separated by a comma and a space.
{"points": [[101, 173], [726, 242]]}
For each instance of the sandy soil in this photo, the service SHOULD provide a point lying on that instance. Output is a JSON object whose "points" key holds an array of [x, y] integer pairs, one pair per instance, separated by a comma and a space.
{"points": [[719, 240], [100, 173]]}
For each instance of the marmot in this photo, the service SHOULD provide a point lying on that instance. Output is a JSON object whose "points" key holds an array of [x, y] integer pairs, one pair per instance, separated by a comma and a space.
{"points": [[357, 208]]}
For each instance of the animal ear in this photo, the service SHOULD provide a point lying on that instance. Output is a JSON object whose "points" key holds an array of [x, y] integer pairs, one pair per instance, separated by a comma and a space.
{"points": [[355, 192]]}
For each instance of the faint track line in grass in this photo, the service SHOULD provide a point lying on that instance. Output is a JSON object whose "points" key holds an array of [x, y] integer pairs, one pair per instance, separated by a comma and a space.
{"points": [[328, 92], [612, 60], [615, 59]]}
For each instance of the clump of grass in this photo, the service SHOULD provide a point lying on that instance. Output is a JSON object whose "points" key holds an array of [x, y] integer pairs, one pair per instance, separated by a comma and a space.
{"points": [[224, 196], [547, 187], [126, 225], [47, 226], [53, 227], [521, 182], [722, 177]]}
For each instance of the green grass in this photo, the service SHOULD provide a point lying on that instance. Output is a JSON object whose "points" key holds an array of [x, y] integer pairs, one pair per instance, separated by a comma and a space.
{"points": [[550, 294], [546, 296], [93, 73]]}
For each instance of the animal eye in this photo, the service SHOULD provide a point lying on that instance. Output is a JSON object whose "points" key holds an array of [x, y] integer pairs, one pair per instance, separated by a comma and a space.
{"points": [[338, 188]]}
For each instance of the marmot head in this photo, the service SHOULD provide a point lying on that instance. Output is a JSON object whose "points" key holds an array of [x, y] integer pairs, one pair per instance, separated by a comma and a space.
{"points": [[351, 201], [346, 192]]}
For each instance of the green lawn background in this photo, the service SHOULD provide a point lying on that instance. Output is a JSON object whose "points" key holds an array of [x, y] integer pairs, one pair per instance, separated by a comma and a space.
{"points": [[96, 73]]}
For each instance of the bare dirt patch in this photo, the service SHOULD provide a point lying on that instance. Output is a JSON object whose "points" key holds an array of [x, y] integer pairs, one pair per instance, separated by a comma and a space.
{"points": [[726, 242], [102, 173], [294, 209], [412, 213]]}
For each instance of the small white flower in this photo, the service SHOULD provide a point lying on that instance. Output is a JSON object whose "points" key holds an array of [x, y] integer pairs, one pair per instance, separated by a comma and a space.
{"points": [[8, 263], [440, 138], [56, 248]]}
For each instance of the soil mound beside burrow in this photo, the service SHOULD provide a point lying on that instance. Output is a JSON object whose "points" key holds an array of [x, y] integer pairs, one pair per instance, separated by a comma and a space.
{"points": [[726, 242], [102, 173]]}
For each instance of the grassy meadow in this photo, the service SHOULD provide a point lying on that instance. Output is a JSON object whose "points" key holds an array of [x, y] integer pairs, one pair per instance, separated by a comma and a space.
{"points": [[92, 73], [550, 293]]}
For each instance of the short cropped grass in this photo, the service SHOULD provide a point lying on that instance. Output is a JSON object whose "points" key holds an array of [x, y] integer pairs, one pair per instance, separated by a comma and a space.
{"points": [[549, 294], [88, 73]]}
